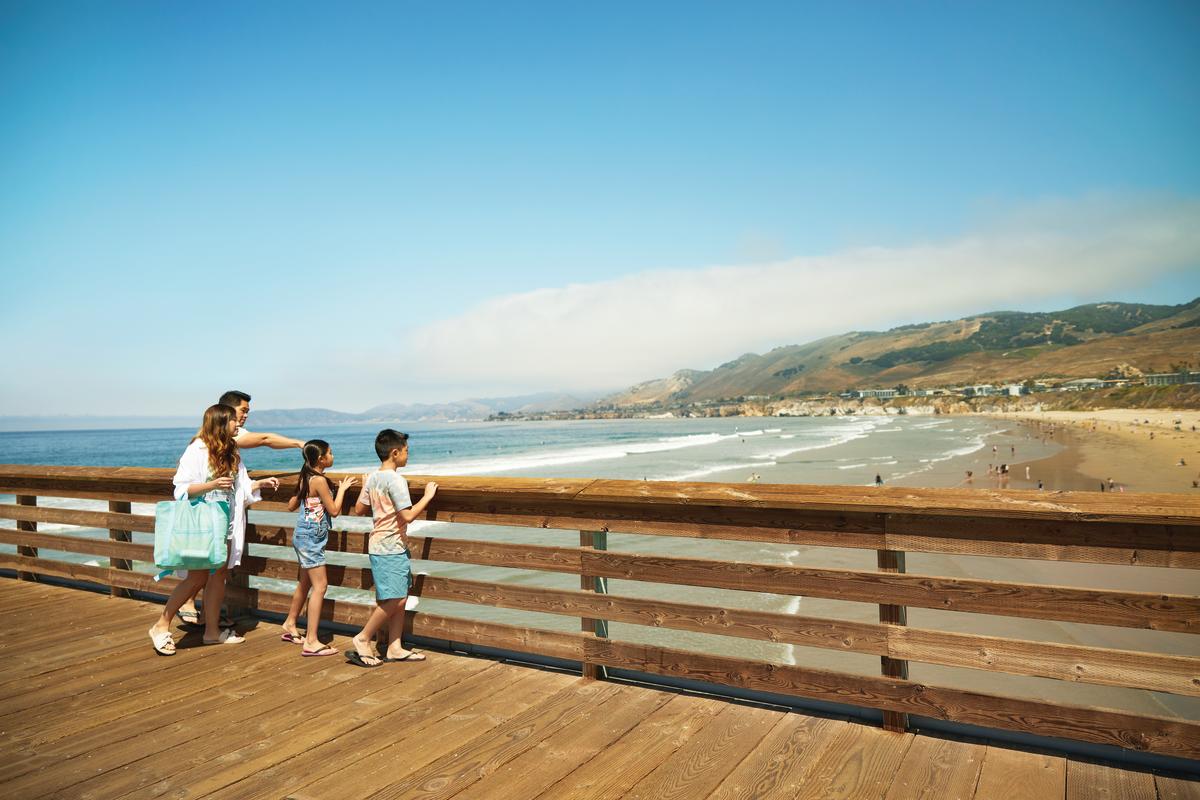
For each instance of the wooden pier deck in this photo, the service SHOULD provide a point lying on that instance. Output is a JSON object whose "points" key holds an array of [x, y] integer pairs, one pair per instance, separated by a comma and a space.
{"points": [[88, 711]]}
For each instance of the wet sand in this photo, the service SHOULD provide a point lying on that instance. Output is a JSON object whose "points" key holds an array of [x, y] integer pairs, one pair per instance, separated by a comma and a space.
{"points": [[1139, 449]]}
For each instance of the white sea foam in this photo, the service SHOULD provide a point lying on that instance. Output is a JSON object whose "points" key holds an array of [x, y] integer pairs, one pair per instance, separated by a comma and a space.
{"points": [[713, 470], [788, 436], [577, 455], [774, 430], [852, 466]]}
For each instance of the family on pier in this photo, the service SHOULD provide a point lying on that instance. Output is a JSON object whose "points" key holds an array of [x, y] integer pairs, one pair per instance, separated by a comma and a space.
{"points": [[211, 469]]}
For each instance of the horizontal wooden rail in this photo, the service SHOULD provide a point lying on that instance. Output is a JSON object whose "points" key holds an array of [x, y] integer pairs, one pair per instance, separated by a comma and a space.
{"points": [[1154, 611], [1103, 726], [1141, 529], [1130, 669], [1102, 607], [1130, 530]]}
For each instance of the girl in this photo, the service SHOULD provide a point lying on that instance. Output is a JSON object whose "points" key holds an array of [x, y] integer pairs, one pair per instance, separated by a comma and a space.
{"points": [[317, 508], [211, 466]]}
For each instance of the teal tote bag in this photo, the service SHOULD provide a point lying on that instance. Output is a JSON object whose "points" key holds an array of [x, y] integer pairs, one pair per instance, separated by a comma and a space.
{"points": [[190, 534]]}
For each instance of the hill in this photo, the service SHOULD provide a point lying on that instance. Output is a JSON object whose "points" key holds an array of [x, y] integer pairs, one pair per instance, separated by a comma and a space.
{"points": [[996, 347]]}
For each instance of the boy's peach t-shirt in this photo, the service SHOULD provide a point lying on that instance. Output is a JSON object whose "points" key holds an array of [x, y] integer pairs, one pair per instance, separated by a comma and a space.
{"points": [[388, 493]]}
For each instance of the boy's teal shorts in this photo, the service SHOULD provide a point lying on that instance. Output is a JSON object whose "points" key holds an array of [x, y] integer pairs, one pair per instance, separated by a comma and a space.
{"points": [[392, 574]]}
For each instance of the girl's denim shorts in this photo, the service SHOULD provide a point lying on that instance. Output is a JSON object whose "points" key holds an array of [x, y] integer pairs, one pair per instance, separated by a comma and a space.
{"points": [[309, 540]]}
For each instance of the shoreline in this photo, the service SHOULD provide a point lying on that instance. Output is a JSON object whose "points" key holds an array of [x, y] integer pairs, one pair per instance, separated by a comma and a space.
{"points": [[1138, 449]]}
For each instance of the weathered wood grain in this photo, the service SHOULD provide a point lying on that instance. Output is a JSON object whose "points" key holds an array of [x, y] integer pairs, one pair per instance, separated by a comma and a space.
{"points": [[1103, 726], [1035, 601]]}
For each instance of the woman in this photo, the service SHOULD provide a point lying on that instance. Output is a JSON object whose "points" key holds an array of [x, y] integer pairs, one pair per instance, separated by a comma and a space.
{"points": [[211, 467]]}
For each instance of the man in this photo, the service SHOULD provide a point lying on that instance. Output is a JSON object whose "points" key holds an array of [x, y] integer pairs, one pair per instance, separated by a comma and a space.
{"points": [[240, 403]]}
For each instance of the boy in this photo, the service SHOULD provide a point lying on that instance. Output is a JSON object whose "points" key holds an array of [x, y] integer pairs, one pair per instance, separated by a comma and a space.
{"points": [[385, 493]]}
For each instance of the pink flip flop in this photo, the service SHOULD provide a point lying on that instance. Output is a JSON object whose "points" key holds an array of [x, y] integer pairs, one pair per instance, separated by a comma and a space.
{"points": [[292, 638]]}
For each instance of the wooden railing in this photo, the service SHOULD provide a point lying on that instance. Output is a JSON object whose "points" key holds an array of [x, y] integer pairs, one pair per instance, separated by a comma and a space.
{"points": [[1148, 531]]}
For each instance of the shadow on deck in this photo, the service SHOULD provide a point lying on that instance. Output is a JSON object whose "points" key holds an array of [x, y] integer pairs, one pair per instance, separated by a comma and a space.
{"points": [[87, 710]]}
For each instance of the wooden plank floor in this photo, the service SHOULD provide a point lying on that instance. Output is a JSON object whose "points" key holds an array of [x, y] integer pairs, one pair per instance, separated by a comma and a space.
{"points": [[88, 711]]}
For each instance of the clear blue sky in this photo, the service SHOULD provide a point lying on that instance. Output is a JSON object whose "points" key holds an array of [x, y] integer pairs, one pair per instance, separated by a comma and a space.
{"points": [[201, 194]]}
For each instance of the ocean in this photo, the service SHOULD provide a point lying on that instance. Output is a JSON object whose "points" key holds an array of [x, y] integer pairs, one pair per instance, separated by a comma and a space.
{"points": [[902, 450]]}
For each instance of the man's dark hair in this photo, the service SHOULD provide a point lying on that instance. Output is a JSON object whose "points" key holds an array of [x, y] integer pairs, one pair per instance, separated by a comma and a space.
{"points": [[233, 398], [388, 440]]}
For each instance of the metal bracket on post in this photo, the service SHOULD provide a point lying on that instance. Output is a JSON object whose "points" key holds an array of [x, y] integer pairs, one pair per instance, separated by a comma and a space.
{"points": [[594, 540], [893, 561], [116, 535]]}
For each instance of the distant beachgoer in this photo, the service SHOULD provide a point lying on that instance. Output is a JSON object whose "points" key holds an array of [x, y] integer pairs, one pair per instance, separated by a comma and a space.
{"points": [[1039, 485], [993, 449], [1110, 484], [1151, 434], [1027, 473], [1014, 450], [878, 480], [970, 475], [1102, 486], [1182, 463]]}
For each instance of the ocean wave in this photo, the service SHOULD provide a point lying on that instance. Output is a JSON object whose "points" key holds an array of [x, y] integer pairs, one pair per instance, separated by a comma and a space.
{"points": [[852, 466], [537, 459], [713, 470]]}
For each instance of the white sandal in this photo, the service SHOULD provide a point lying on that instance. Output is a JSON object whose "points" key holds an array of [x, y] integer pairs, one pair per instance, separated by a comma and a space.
{"points": [[228, 636], [164, 645]]}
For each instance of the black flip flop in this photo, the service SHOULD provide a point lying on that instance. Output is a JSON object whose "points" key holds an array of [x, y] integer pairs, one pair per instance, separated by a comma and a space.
{"points": [[354, 658], [408, 657]]}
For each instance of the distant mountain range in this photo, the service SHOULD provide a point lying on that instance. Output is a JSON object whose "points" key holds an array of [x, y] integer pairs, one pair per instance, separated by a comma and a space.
{"points": [[472, 409], [996, 347]]}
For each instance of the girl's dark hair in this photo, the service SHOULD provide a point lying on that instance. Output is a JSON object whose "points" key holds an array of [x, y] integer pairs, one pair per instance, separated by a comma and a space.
{"points": [[314, 450]]}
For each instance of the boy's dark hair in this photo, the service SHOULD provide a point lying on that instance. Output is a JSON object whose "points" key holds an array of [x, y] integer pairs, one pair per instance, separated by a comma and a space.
{"points": [[388, 440], [233, 398]]}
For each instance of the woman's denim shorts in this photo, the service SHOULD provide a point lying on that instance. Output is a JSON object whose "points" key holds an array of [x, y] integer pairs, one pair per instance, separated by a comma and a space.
{"points": [[309, 540]]}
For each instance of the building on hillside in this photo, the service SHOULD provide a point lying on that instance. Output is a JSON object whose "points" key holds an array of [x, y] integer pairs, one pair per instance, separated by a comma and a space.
{"points": [[1083, 384], [1014, 390], [1172, 378], [981, 390], [879, 394]]}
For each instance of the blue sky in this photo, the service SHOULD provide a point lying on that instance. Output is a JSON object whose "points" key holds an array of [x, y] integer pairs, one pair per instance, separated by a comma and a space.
{"points": [[358, 203]]}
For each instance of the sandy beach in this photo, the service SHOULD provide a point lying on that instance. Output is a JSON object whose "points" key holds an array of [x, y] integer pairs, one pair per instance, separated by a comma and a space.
{"points": [[1139, 449]]}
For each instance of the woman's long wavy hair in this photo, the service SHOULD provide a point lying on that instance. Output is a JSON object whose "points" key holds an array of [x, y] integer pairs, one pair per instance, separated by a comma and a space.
{"points": [[314, 450], [223, 457]]}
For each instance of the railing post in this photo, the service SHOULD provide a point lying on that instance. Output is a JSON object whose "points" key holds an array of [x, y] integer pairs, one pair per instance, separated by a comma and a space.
{"points": [[116, 535], [593, 540], [893, 561], [31, 527]]}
